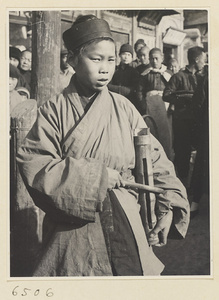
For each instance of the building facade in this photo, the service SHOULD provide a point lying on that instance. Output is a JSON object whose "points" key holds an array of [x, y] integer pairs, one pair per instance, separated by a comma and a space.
{"points": [[173, 31]]}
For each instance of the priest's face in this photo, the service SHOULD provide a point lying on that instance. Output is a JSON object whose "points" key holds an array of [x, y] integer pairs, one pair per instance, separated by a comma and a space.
{"points": [[95, 66]]}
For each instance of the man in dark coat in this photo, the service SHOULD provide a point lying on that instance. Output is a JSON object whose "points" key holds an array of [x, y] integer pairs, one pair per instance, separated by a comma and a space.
{"points": [[179, 91]]}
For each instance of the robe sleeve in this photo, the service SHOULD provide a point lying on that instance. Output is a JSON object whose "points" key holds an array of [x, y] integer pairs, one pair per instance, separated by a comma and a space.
{"points": [[174, 196], [66, 188]]}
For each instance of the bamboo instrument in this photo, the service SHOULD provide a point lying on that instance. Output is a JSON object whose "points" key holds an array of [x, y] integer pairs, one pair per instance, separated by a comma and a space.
{"points": [[144, 177], [143, 187]]}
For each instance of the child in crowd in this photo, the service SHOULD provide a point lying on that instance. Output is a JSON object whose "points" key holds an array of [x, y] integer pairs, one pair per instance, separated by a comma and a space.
{"points": [[74, 162], [150, 92], [173, 65], [125, 79], [137, 46], [14, 56], [14, 97], [66, 71], [143, 55]]}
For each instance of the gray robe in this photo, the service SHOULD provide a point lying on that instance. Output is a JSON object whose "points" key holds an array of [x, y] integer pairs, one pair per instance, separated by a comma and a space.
{"points": [[63, 162]]}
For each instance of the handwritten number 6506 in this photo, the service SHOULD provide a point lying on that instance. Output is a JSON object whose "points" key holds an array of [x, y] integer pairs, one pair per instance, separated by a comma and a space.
{"points": [[25, 291]]}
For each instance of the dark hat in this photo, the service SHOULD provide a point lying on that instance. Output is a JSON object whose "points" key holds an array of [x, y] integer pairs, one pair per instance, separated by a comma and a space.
{"points": [[14, 72], [64, 51], [85, 29], [140, 41], [14, 52], [126, 48]]}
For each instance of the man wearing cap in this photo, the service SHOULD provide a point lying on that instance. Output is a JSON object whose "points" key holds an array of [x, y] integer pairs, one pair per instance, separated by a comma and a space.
{"points": [[75, 160], [126, 77]]}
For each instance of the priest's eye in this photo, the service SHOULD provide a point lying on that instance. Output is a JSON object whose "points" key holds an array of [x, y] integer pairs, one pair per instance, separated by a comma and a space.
{"points": [[95, 59], [111, 59]]}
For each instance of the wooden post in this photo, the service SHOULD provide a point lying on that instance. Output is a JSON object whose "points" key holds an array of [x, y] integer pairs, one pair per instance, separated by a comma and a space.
{"points": [[46, 38], [25, 218]]}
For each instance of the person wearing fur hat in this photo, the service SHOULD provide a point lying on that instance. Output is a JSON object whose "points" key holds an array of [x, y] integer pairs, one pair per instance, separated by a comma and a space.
{"points": [[75, 160], [125, 79]]}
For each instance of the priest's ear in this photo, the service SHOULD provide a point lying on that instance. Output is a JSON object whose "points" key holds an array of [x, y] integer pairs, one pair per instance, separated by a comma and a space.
{"points": [[72, 59]]}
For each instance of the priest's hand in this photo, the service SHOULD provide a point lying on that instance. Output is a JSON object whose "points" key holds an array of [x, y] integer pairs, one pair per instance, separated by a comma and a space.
{"points": [[114, 179], [158, 236]]}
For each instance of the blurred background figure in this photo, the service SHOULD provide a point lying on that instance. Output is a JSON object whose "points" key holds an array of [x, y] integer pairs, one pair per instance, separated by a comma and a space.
{"points": [[173, 65], [14, 56], [143, 55], [149, 95], [25, 94], [137, 46], [25, 65], [200, 176], [14, 97], [15, 60], [66, 71], [179, 91], [125, 78]]}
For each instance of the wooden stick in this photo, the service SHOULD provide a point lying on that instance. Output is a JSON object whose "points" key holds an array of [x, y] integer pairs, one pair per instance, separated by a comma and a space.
{"points": [[143, 187]]}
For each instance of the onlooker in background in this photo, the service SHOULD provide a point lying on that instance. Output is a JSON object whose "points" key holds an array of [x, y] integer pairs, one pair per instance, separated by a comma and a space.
{"points": [[14, 59], [14, 56], [173, 65], [14, 97], [179, 91], [143, 55], [25, 65], [149, 95], [66, 71], [200, 176], [137, 46], [125, 78]]}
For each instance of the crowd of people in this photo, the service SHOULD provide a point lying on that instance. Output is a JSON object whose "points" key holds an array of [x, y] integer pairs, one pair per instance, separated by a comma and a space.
{"points": [[20, 74], [165, 95], [79, 152]]}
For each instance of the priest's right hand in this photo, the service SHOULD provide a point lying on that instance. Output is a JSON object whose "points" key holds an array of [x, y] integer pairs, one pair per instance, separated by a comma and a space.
{"points": [[114, 179]]}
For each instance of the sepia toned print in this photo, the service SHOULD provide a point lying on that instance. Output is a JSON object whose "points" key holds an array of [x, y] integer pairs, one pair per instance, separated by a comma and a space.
{"points": [[73, 208]]}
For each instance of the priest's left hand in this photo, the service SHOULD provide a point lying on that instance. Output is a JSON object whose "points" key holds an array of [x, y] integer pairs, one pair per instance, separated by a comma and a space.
{"points": [[158, 236]]}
